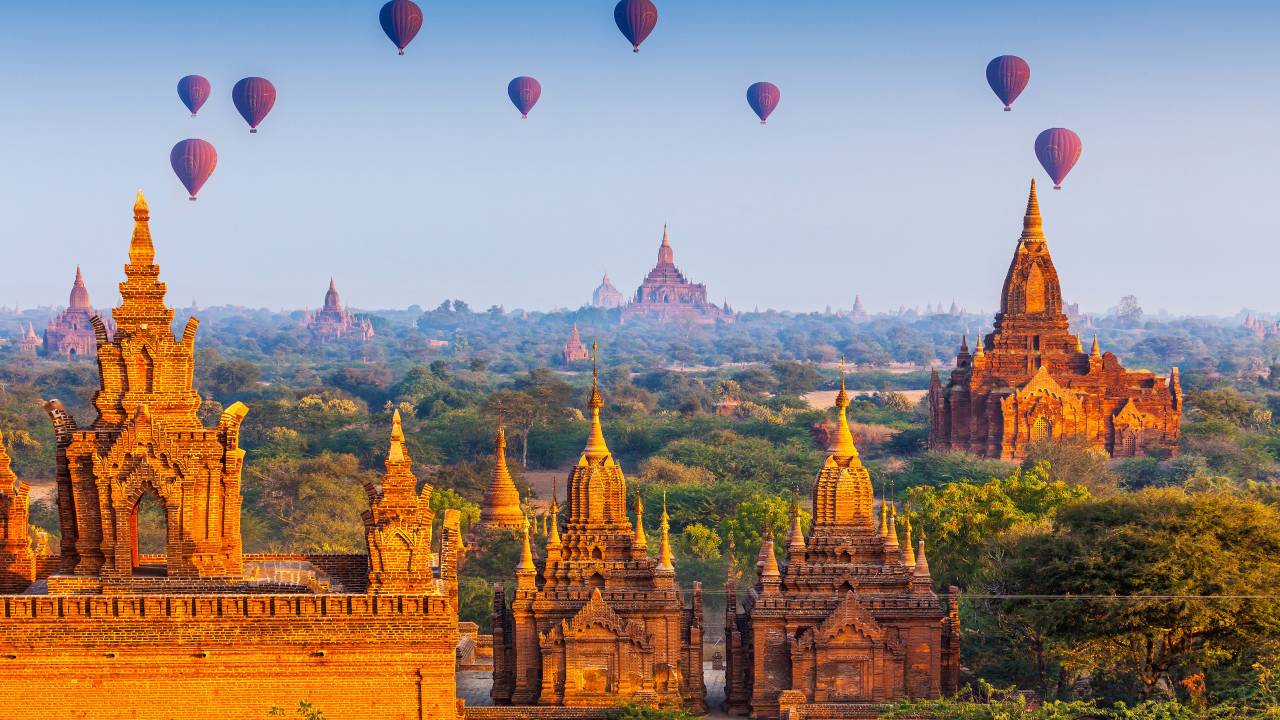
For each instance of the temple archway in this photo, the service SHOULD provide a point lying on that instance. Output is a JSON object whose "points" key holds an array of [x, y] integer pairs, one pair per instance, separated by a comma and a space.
{"points": [[149, 534]]}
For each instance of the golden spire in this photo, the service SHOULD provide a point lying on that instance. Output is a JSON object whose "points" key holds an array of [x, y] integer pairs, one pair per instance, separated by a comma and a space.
{"points": [[665, 559], [1079, 347], [770, 570], [596, 447], [843, 446], [526, 553], [884, 515], [641, 541], [501, 472], [922, 563], [141, 251], [980, 350], [909, 555], [553, 520], [1032, 223], [396, 453], [795, 543], [892, 535], [1095, 351]]}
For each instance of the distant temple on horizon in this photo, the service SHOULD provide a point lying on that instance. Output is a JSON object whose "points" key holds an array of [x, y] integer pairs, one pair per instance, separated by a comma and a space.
{"points": [[574, 350], [29, 343], [666, 296], [1030, 379], [71, 334], [333, 322], [607, 296]]}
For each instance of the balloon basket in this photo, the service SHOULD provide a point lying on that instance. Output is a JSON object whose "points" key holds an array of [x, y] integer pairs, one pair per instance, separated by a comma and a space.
{"points": [[192, 198], [1008, 109], [1057, 187], [762, 122], [253, 131], [524, 117], [193, 114], [402, 52], [635, 49]]}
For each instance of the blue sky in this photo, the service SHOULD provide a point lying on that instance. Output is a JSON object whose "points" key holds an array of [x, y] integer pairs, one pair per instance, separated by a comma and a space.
{"points": [[887, 170]]}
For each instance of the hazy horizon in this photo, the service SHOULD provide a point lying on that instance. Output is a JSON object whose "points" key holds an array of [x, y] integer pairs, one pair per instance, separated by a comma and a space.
{"points": [[888, 169]]}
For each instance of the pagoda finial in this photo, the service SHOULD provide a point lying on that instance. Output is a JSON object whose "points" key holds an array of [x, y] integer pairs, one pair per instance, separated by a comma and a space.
{"points": [[795, 543], [666, 256], [141, 251], [922, 564], [553, 520], [770, 569], [665, 559], [843, 446], [1032, 223], [666, 238], [964, 343], [526, 552], [640, 541], [596, 447], [908, 553], [1095, 351], [980, 350], [396, 453]]}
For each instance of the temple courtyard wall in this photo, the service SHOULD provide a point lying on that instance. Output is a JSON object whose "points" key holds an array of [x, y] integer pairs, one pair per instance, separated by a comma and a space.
{"points": [[207, 657]]}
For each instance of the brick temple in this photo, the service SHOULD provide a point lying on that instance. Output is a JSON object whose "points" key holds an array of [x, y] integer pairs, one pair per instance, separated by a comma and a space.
{"points": [[850, 618], [334, 322], [29, 344], [575, 351], [607, 296], [203, 630], [1031, 379], [72, 334], [597, 621], [666, 296]]}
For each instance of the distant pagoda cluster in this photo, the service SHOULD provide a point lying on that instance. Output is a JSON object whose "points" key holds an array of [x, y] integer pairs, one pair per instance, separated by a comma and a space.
{"points": [[1259, 327], [333, 322], [666, 296], [71, 334], [1030, 379]]}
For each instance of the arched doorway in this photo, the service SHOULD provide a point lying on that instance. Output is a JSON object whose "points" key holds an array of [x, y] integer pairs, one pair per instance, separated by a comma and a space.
{"points": [[1041, 428], [149, 534]]}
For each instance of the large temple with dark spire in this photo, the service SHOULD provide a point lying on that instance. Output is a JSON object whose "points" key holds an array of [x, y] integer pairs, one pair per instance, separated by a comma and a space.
{"points": [[666, 296], [1030, 379], [335, 322], [850, 618], [597, 621], [72, 334]]}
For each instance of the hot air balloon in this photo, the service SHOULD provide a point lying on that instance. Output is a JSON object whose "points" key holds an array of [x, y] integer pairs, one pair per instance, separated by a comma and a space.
{"points": [[254, 97], [193, 161], [635, 19], [524, 92], [193, 90], [401, 20], [1008, 75], [1058, 150], [763, 97]]}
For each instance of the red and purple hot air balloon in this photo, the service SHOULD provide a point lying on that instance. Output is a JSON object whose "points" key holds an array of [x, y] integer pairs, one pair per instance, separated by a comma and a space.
{"points": [[193, 90], [401, 20], [254, 97], [193, 161], [636, 19], [1058, 150], [763, 97], [524, 92], [1008, 76]]}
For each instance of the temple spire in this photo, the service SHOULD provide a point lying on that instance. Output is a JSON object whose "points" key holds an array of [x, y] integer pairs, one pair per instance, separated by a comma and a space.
{"points": [[1032, 223], [501, 504], [665, 558], [979, 350], [1095, 351], [142, 294], [553, 520], [596, 447], [908, 554], [666, 256], [396, 452], [79, 293], [843, 446], [526, 552], [141, 251], [795, 543], [641, 542]]}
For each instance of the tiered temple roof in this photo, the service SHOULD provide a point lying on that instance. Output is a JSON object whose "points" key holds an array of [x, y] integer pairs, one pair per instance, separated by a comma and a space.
{"points": [[501, 505], [666, 296], [334, 322], [597, 620], [71, 334], [850, 617], [1030, 378], [575, 350]]}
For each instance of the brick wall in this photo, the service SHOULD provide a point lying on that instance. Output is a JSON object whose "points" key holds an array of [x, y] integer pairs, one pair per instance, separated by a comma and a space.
{"points": [[206, 657]]}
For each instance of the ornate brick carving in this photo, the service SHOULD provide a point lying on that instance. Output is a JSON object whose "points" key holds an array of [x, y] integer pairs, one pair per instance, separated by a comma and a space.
{"points": [[1030, 378], [398, 525], [17, 561]]}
